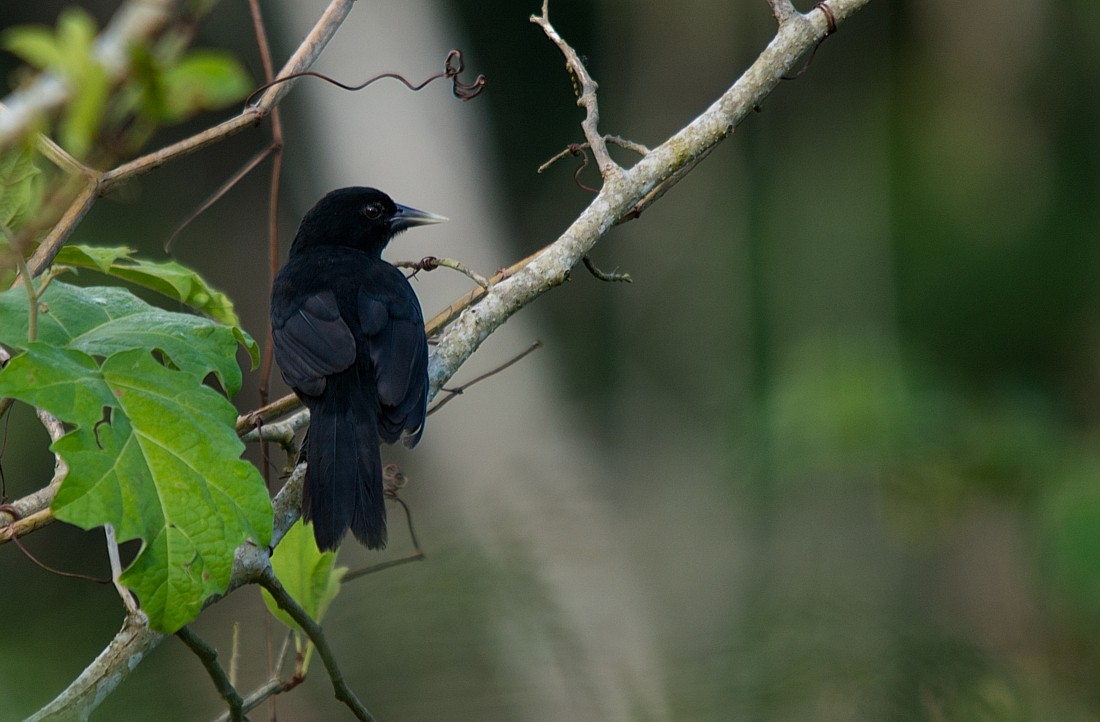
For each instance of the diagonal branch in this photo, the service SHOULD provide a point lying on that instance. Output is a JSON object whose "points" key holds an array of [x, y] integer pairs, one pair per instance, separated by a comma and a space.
{"points": [[209, 658], [271, 583], [623, 191]]}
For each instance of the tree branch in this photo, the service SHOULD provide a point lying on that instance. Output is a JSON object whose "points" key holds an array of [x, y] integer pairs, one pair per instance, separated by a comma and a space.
{"points": [[209, 658], [782, 10], [313, 630], [33, 511], [622, 191], [585, 88]]}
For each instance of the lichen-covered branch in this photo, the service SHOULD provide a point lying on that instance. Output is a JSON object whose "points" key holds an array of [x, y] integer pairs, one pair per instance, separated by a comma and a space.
{"points": [[622, 192]]}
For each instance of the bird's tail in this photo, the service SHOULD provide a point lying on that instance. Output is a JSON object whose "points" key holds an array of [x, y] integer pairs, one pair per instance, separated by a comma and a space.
{"points": [[343, 486]]}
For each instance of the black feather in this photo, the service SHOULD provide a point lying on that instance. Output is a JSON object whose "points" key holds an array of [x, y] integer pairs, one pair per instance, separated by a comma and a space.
{"points": [[349, 338]]}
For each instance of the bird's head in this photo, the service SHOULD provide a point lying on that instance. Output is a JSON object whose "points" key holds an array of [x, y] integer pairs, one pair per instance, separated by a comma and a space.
{"points": [[363, 218]]}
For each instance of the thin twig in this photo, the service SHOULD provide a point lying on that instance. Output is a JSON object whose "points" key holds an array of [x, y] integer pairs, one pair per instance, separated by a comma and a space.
{"points": [[459, 390], [586, 95], [612, 277], [312, 629], [128, 600], [217, 195], [417, 555], [51, 244], [209, 658], [273, 410], [615, 139], [281, 432], [32, 512], [303, 57], [430, 263], [235, 653]]}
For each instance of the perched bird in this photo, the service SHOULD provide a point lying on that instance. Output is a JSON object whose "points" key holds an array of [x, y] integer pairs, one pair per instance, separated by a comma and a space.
{"points": [[349, 339]]}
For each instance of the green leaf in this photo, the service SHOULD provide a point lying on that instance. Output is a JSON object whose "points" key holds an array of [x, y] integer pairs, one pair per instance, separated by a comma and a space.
{"points": [[34, 44], [80, 125], [153, 453], [308, 575], [202, 80], [70, 53], [103, 320], [168, 278], [20, 185]]}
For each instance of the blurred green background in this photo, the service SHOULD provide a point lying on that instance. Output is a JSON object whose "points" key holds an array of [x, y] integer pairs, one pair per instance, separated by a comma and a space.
{"points": [[832, 456]]}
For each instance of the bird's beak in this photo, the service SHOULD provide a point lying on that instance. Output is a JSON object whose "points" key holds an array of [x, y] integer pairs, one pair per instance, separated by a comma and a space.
{"points": [[406, 217]]}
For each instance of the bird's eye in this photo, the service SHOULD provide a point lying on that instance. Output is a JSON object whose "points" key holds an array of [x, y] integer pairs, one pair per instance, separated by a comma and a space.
{"points": [[373, 210]]}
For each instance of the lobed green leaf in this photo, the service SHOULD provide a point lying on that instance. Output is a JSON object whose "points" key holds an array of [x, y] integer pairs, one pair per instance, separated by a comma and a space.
{"points": [[153, 453], [104, 320], [168, 278]]}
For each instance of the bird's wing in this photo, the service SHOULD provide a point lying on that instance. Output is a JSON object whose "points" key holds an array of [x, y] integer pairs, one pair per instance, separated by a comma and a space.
{"points": [[313, 342], [393, 330]]}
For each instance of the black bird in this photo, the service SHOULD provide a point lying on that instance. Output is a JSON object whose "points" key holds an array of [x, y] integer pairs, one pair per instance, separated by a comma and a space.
{"points": [[349, 339]]}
